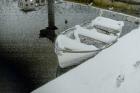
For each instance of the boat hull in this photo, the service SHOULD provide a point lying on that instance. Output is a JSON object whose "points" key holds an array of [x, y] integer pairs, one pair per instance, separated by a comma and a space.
{"points": [[69, 59]]}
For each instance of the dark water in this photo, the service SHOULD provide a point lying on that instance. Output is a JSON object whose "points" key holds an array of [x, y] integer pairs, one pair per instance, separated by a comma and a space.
{"points": [[32, 59], [11, 79]]}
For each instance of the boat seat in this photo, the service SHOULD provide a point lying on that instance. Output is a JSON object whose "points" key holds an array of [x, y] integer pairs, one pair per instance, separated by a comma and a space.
{"points": [[108, 24], [93, 33], [71, 44]]}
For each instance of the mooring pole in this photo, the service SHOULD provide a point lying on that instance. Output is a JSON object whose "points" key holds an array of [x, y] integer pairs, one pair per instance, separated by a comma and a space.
{"points": [[49, 32], [51, 17]]}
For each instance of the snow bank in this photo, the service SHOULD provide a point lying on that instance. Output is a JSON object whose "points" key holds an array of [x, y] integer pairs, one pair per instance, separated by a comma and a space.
{"points": [[108, 24], [114, 70], [92, 33]]}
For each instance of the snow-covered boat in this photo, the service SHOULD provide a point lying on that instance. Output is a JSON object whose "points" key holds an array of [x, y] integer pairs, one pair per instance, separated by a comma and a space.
{"points": [[27, 5], [82, 42]]}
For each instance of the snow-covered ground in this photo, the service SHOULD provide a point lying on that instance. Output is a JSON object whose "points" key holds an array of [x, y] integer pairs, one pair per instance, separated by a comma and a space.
{"points": [[114, 70]]}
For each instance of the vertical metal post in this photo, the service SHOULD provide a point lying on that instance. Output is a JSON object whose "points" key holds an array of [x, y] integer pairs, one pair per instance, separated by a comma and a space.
{"points": [[49, 32], [51, 17]]}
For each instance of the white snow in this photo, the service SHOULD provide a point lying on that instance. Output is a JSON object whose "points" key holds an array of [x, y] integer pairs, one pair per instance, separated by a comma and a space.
{"points": [[114, 70], [65, 42], [107, 23], [92, 33]]}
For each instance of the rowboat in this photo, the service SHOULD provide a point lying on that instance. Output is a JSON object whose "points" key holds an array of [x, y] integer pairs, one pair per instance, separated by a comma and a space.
{"points": [[81, 42]]}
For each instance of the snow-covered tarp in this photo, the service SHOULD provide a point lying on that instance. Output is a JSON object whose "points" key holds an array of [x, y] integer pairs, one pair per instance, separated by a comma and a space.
{"points": [[114, 70]]}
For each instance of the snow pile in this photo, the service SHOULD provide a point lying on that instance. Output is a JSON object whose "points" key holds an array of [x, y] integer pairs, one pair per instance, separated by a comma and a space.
{"points": [[66, 43], [114, 70], [92, 33], [108, 24]]}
